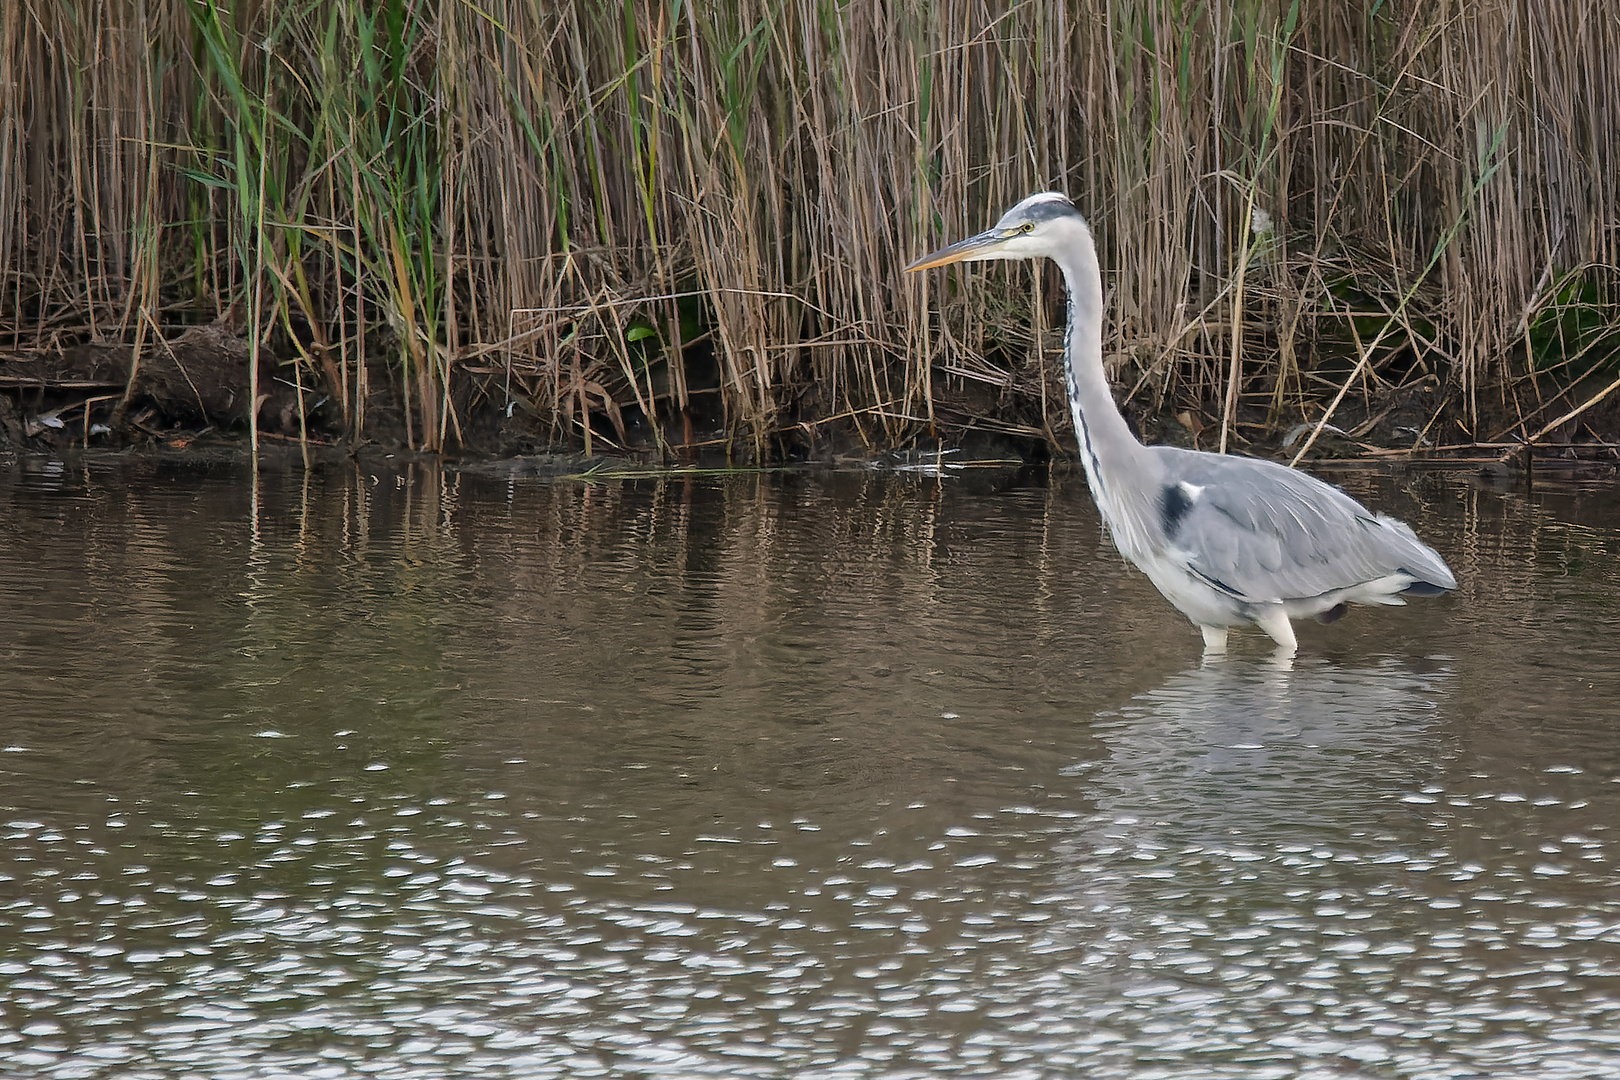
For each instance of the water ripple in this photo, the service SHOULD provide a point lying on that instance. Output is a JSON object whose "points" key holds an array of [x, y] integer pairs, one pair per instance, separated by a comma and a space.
{"points": [[753, 778]]}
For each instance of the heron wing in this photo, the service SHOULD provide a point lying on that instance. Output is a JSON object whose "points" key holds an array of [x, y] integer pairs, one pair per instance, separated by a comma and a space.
{"points": [[1265, 533]]}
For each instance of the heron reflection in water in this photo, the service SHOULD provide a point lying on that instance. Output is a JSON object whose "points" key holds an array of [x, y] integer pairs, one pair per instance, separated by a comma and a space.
{"points": [[1228, 540]]}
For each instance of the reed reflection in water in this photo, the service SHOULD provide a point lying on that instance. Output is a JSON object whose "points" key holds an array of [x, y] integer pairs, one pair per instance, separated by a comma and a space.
{"points": [[428, 774]]}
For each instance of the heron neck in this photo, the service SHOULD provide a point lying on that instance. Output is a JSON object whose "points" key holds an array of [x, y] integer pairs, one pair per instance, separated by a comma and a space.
{"points": [[1112, 456]]}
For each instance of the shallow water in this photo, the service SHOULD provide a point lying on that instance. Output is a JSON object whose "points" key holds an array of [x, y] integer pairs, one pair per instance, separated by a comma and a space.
{"points": [[427, 774]]}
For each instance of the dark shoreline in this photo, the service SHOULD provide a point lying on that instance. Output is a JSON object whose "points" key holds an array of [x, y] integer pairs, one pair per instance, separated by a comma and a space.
{"points": [[188, 399]]}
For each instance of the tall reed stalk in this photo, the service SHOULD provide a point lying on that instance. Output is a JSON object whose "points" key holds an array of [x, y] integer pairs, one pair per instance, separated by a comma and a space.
{"points": [[604, 213]]}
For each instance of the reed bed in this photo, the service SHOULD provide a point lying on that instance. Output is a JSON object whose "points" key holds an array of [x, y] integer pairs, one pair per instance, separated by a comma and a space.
{"points": [[665, 225]]}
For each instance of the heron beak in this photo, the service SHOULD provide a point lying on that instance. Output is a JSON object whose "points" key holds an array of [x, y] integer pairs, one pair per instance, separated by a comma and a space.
{"points": [[986, 245]]}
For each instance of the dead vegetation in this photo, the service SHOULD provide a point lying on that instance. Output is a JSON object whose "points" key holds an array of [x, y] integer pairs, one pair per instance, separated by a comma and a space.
{"points": [[644, 226]]}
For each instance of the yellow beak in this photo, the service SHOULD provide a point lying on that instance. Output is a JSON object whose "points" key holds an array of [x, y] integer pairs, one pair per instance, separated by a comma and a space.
{"points": [[982, 246]]}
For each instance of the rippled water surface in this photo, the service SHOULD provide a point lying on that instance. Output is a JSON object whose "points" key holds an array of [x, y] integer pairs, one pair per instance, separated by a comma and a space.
{"points": [[432, 774]]}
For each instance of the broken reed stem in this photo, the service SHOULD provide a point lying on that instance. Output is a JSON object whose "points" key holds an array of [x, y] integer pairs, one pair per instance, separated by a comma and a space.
{"points": [[1488, 166], [256, 268], [1532, 440]]}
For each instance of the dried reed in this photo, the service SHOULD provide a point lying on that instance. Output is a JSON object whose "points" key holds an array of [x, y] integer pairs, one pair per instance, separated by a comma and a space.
{"points": [[604, 212]]}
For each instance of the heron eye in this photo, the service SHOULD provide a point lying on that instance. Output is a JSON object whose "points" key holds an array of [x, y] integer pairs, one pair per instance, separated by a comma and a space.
{"points": [[1029, 226]]}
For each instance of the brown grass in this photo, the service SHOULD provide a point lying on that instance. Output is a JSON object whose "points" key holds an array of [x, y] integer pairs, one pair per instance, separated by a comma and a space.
{"points": [[609, 212]]}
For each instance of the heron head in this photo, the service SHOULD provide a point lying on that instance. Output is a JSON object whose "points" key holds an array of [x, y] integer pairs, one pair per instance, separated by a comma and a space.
{"points": [[1035, 228]]}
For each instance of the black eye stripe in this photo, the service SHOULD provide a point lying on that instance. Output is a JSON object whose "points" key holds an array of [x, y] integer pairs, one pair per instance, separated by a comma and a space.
{"points": [[1046, 209]]}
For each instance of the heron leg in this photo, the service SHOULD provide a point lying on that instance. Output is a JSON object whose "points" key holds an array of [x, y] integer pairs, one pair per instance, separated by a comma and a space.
{"points": [[1214, 639], [1274, 621]]}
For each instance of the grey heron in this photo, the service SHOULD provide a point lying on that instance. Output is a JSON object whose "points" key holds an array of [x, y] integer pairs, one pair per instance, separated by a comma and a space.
{"points": [[1228, 540]]}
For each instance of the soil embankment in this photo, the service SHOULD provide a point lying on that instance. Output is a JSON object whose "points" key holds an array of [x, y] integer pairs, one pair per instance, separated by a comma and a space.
{"points": [[192, 391]]}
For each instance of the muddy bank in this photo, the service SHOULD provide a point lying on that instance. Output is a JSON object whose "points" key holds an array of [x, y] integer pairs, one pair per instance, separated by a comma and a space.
{"points": [[190, 394], [193, 391]]}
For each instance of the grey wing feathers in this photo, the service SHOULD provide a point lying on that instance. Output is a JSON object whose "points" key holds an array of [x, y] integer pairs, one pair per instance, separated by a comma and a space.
{"points": [[1264, 532]]}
